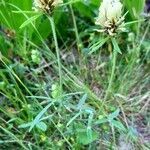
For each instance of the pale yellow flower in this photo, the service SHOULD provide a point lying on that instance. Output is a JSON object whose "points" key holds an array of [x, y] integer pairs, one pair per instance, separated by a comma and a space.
{"points": [[110, 16], [46, 5]]}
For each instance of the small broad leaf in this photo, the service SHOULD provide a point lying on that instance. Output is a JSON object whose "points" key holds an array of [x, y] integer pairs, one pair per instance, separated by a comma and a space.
{"points": [[82, 102], [25, 125], [38, 117], [100, 121], [85, 137], [56, 91], [73, 118], [2, 85], [90, 119], [98, 45], [42, 126], [114, 115], [118, 125], [30, 20]]}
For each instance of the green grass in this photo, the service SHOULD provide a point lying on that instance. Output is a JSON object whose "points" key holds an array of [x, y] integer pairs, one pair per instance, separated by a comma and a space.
{"points": [[63, 87]]}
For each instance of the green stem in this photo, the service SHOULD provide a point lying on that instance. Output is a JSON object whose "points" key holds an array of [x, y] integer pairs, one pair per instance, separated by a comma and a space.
{"points": [[82, 59], [112, 75], [79, 43], [57, 50]]}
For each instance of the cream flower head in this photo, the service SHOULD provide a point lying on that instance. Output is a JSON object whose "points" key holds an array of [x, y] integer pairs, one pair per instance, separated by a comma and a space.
{"points": [[46, 5], [110, 16]]}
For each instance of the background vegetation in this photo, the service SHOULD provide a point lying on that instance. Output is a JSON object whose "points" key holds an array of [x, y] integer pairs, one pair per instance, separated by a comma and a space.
{"points": [[49, 101]]}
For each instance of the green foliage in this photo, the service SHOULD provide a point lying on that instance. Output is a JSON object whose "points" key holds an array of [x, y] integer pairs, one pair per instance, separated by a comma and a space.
{"points": [[111, 120], [56, 91], [35, 55], [63, 85], [84, 136], [42, 126], [115, 45], [134, 9]]}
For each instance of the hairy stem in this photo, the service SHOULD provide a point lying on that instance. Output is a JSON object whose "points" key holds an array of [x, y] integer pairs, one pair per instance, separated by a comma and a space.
{"points": [[112, 75], [57, 50]]}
